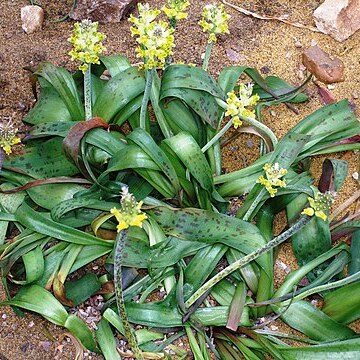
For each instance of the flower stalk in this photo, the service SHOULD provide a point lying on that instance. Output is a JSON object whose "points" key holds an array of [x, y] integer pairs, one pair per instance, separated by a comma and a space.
{"points": [[207, 55], [145, 100], [247, 259], [119, 248], [253, 122], [87, 93]]}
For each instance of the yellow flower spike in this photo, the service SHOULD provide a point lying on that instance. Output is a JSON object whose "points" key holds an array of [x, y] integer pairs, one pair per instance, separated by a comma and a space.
{"points": [[236, 122], [8, 136], [214, 20], [155, 39], [273, 179], [319, 205], [175, 9], [130, 213], [239, 105], [86, 41]]}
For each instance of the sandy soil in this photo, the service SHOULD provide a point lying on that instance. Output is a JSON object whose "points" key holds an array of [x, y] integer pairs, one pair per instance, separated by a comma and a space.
{"points": [[269, 45]]}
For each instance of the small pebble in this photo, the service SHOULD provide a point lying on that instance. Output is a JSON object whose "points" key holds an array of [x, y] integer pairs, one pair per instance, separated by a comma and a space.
{"points": [[3, 316], [300, 75], [302, 67], [313, 42], [298, 44], [272, 113], [265, 70], [355, 175], [355, 95], [31, 324], [249, 143], [331, 87]]}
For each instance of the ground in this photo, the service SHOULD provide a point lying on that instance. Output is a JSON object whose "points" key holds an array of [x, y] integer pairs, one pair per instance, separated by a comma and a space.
{"points": [[272, 46]]}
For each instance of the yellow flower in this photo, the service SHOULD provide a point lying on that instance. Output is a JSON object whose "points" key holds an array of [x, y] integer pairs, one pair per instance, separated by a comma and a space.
{"points": [[146, 16], [130, 213], [239, 105], [8, 136], [273, 178], [155, 39], [86, 41], [176, 9], [319, 205], [214, 20]]}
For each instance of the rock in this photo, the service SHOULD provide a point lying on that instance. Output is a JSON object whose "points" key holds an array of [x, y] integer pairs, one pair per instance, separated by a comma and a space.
{"points": [[104, 11], [322, 67], [233, 55], [265, 70], [338, 18], [32, 17]]}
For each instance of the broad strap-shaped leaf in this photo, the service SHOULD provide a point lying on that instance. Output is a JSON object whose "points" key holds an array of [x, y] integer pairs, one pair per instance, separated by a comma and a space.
{"points": [[188, 77], [50, 107], [44, 225], [37, 299], [65, 85], [115, 64], [202, 102], [311, 321], [346, 349], [42, 160], [189, 152], [118, 92], [142, 139], [209, 227]]}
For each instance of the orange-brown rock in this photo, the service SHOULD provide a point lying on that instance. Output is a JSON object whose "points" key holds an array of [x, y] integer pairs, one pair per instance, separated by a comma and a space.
{"points": [[325, 69]]}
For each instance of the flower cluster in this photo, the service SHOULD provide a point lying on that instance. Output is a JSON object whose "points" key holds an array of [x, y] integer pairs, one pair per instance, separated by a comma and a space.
{"points": [[214, 20], [319, 205], [155, 39], [273, 178], [130, 213], [176, 9], [239, 105], [8, 137], [87, 44]]}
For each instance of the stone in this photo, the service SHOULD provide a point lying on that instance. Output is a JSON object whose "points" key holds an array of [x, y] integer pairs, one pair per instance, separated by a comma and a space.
{"points": [[103, 11], [319, 63], [32, 17], [338, 18]]}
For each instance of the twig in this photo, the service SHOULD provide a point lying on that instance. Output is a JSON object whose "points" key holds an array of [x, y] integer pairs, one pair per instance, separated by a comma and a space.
{"points": [[265, 17]]}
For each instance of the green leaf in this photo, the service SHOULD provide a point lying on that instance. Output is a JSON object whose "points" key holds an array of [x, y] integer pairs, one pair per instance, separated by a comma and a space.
{"points": [[348, 349], [203, 103], [42, 160], [210, 228], [142, 139], [80, 330], [65, 85], [49, 108], [118, 92], [343, 304], [184, 76], [37, 299], [115, 64], [315, 324], [44, 225], [189, 152], [34, 265], [106, 340], [81, 289]]}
